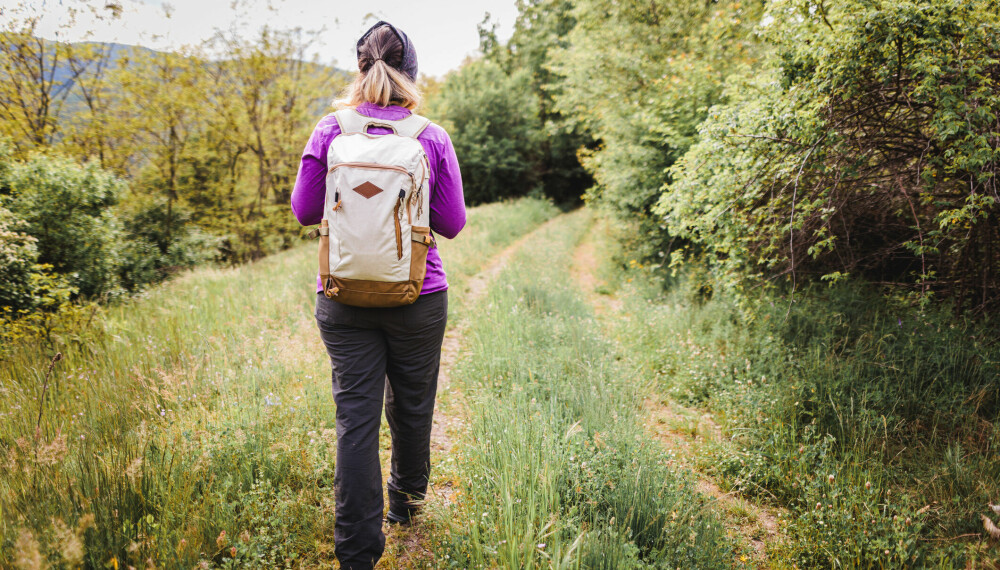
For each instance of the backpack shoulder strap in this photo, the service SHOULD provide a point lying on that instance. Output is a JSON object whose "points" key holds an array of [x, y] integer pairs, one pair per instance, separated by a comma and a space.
{"points": [[352, 122], [411, 126]]}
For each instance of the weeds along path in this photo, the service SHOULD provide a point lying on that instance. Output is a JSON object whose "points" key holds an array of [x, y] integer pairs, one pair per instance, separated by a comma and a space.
{"points": [[551, 468], [681, 431]]}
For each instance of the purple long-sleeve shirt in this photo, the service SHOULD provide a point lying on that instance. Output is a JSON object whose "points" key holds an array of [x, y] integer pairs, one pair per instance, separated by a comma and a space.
{"points": [[447, 200]]}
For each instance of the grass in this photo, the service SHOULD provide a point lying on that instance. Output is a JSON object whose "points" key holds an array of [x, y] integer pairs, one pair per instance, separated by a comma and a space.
{"points": [[554, 470], [192, 424], [873, 423]]}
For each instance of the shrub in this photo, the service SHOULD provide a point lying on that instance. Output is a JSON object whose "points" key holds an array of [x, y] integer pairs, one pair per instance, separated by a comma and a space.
{"points": [[158, 245], [869, 147], [18, 254], [67, 209]]}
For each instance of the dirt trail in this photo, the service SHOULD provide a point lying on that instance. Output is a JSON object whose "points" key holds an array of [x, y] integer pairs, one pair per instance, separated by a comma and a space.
{"points": [[679, 429], [409, 543]]}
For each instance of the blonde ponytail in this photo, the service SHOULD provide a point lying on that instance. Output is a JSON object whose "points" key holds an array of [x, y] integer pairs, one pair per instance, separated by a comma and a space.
{"points": [[382, 85]]}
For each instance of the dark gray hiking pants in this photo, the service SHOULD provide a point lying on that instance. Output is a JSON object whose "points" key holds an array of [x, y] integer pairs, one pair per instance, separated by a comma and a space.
{"points": [[396, 351]]}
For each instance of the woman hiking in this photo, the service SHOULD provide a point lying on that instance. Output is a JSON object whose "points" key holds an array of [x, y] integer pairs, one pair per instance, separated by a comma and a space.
{"points": [[386, 353]]}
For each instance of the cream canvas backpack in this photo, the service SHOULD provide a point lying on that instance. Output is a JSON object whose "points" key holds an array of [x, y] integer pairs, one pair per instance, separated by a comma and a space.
{"points": [[375, 231]]}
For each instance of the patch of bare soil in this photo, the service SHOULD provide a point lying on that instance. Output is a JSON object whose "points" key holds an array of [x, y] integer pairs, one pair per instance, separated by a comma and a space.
{"points": [[680, 430], [584, 272]]}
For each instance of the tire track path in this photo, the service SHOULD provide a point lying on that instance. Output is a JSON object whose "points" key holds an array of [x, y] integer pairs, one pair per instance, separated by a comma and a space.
{"points": [[755, 525]]}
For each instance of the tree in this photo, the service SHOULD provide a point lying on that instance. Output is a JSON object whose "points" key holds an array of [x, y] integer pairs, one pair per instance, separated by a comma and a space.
{"points": [[164, 106], [542, 27], [92, 126], [492, 118], [266, 98], [271, 91], [37, 75], [640, 76]]}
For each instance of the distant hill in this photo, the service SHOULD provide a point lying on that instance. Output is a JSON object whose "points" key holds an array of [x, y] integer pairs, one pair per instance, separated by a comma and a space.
{"points": [[115, 52]]}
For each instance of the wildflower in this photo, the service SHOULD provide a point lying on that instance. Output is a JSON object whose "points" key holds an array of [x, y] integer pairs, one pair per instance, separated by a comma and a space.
{"points": [[232, 552], [221, 540], [868, 484], [26, 550], [71, 547], [830, 478], [541, 545]]}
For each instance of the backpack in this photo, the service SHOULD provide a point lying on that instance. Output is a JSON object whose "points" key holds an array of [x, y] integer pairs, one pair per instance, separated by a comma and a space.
{"points": [[375, 232]]}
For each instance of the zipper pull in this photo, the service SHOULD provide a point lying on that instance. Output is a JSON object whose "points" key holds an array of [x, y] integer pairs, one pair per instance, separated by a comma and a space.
{"points": [[399, 210]]}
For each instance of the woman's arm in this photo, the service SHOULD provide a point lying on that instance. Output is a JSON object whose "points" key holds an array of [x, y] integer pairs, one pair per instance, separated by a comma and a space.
{"points": [[447, 196], [310, 184]]}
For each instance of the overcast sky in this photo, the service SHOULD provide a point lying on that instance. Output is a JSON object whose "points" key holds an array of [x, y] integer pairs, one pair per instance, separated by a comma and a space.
{"points": [[444, 32]]}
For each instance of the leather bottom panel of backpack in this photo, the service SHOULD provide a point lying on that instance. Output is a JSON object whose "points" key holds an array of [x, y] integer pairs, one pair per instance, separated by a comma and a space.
{"points": [[375, 294]]}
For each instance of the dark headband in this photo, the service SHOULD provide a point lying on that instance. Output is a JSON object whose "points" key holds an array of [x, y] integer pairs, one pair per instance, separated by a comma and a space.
{"points": [[408, 64]]}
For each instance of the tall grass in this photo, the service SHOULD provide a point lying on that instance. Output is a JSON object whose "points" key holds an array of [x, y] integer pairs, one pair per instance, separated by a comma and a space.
{"points": [[192, 424], [873, 422], [553, 469]]}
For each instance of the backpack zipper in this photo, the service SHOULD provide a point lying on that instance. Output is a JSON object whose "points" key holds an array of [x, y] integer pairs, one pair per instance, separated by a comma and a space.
{"points": [[399, 231], [416, 195], [373, 166]]}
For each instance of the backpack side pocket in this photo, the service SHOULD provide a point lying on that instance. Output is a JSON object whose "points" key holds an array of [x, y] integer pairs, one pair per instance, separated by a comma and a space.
{"points": [[420, 243]]}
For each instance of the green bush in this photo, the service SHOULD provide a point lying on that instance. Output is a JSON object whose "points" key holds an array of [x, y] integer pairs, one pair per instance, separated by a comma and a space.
{"points": [[68, 211], [18, 255], [868, 146], [156, 245], [492, 118]]}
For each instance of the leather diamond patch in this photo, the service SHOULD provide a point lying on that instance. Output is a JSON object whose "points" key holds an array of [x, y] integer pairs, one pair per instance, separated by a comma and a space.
{"points": [[368, 189]]}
